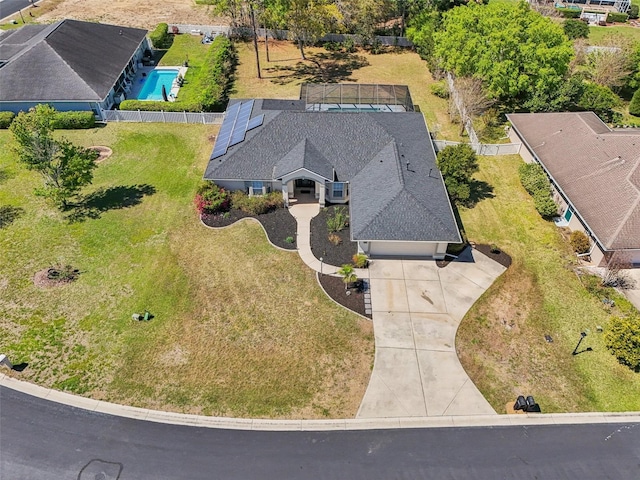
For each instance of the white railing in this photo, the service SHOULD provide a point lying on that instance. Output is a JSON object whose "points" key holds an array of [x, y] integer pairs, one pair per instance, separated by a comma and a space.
{"points": [[484, 148], [141, 116]]}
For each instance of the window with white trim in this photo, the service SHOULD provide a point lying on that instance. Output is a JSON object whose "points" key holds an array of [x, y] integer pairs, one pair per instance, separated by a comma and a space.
{"points": [[257, 187], [338, 190]]}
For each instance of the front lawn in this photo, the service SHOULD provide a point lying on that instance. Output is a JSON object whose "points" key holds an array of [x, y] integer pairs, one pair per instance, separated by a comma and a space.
{"points": [[239, 328], [283, 75], [501, 341]]}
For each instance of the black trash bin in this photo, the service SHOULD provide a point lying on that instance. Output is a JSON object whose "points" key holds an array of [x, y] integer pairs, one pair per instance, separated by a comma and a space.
{"points": [[521, 403]]}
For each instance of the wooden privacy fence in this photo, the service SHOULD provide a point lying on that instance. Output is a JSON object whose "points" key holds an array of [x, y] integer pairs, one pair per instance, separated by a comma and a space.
{"points": [[141, 116], [484, 148]]}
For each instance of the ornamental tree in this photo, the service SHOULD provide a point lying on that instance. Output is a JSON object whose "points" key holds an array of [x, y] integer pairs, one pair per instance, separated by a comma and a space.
{"points": [[64, 167]]}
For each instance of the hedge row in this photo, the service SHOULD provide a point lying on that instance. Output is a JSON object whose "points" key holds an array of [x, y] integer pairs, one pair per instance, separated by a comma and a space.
{"points": [[569, 12], [62, 121], [617, 17], [160, 36], [74, 120], [216, 76], [159, 106], [6, 118], [536, 183]]}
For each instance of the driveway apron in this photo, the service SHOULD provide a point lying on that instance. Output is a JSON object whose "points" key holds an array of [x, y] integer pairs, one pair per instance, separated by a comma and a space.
{"points": [[417, 308]]}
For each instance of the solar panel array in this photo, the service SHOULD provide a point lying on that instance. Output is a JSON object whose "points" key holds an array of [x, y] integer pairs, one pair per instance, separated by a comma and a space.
{"points": [[237, 122]]}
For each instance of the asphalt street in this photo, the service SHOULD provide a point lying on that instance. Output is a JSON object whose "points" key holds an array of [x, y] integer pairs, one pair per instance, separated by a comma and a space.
{"points": [[9, 7], [45, 440]]}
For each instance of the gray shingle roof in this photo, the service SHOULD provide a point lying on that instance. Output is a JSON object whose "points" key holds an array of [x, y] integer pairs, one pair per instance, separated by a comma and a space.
{"points": [[388, 199], [598, 170], [69, 60]]}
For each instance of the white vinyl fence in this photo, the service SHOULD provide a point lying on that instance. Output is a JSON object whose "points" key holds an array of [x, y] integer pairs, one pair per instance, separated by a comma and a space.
{"points": [[484, 148], [162, 117]]}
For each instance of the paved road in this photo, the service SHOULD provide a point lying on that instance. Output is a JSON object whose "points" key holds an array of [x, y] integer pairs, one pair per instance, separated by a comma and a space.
{"points": [[9, 7], [45, 440]]}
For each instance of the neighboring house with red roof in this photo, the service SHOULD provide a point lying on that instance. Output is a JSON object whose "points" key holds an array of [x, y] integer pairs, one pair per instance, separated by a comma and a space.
{"points": [[69, 64], [595, 172]]}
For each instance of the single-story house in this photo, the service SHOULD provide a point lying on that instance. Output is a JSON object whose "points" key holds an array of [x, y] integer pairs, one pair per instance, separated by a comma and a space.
{"points": [[69, 64], [379, 161], [595, 174]]}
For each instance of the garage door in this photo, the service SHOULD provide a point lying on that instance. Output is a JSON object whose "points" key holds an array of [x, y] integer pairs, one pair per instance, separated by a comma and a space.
{"points": [[402, 249]]}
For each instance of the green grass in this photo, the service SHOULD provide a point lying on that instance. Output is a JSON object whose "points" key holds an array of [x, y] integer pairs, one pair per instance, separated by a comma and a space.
{"points": [[283, 75], [187, 47], [239, 327], [597, 34], [501, 340]]}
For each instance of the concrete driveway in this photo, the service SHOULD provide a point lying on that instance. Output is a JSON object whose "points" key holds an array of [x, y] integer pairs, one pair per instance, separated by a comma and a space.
{"points": [[417, 308]]}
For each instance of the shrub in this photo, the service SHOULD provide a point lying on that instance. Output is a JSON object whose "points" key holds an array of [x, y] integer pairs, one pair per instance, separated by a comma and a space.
{"points": [[338, 221], [575, 28], [634, 106], [569, 12], [6, 118], [533, 178], [210, 198], [289, 240], [617, 17], [334, 239], [257, 204], [349, 45], [623, 340], [73, 120], [360, 260], [536, 183], [579, 242], [150, 106], [545, 205], [633, 11], [216, 76], [160, 36], [440, 89]]}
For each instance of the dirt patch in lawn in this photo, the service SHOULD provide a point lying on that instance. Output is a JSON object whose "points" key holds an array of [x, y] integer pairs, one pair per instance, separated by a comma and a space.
{"points": [[279, 224], [44, 278], [334, 287], [321, 246], [131, 13], [103, 152]]}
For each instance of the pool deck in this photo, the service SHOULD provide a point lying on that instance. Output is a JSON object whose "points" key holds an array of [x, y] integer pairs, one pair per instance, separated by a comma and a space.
{"points": [[138, 81]]}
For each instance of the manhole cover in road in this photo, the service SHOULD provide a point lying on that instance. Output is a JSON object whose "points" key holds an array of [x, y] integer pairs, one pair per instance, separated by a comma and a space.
{"points": [[100, 470]]}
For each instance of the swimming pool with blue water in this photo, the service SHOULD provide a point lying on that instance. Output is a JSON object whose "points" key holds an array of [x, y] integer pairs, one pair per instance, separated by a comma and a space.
{"points": [[152, 88]]}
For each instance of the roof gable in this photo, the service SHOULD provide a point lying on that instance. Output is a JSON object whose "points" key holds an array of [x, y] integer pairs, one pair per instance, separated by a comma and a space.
{"points": [[304, 155]]}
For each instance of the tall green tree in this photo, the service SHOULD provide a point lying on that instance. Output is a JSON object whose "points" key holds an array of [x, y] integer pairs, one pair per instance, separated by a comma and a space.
{"points": [[458, 163], [310, 20], [64, 167], [517, 52]]}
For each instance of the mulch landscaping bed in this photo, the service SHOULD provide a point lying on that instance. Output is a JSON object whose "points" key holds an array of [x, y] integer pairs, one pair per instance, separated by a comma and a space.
{"points": [[322, 247], [334, 286], [278, 223], [499, 256], [465, 256]]}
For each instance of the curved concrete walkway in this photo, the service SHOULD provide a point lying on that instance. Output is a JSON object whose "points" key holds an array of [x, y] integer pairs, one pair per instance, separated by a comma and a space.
{"points": [[417, 308]]}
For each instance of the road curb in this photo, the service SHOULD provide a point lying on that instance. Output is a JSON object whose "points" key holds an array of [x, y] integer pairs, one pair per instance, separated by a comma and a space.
{"points": [[157, 416]]}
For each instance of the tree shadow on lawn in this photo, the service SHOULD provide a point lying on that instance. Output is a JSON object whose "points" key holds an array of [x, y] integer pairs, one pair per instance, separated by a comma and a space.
{"points": [[479, 190], [105, 199], [9, 214], [5, 175], [323, 68]]}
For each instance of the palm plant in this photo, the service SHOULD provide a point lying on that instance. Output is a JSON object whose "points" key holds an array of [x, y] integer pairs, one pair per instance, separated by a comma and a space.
{"points": [[348, 275]]}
